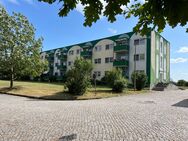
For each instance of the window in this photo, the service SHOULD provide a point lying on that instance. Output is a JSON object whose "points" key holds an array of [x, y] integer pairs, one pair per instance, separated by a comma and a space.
{"points": [[161, 48], [161, 62], [64, 63], [107, 60], [71, 52], [98, 48], [97, 61], [142, 56], [142, 41], [136, 42], [77, 51], [97, 73], [136, 57], [111, 59], [69, 63], [109, 46]]}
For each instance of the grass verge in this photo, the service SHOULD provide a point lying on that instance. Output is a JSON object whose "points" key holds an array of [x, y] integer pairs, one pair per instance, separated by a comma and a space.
{"points": [[56, 91]]}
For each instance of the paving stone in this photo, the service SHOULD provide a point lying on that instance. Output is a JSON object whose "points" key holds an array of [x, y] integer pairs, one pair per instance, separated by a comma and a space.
{"points": [[156, 116]]}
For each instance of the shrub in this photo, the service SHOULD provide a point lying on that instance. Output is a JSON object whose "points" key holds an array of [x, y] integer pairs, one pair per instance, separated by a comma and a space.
{"points": [[141, 79], [115, 80], [119, 85], [78, 78], [186, 84], [181, 83]]}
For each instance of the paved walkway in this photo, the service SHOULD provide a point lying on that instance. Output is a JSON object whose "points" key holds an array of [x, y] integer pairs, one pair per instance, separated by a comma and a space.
{"points": [[148, 117]]}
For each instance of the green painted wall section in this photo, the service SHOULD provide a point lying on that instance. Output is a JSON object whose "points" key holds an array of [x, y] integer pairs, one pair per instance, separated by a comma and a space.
{"points": [[148, 61]]}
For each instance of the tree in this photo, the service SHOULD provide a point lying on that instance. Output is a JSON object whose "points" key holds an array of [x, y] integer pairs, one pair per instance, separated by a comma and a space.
{"points": [[19, 50], [151, 13], [115, 80], [181, 83], [141, 79], [78, 78]]}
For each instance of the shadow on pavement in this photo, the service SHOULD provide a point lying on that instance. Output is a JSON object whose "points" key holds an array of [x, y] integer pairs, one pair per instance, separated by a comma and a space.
{"points": [[183, 103], [68, 137]]}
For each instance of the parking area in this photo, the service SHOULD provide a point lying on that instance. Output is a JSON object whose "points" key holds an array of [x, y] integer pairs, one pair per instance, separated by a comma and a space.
{"points": [[152, 116]]}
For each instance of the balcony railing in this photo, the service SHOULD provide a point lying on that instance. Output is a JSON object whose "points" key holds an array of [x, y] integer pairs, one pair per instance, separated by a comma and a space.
{"points": [[118, 63], [86, 53], [121, 48]]}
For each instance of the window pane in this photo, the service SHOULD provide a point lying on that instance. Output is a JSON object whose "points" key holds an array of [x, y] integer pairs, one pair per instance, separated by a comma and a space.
{"points": [[95, 61], [142, 56], [136, 57], [136, 42], [111, 59], [99, 73], [78, 51], [106, 60], [99, 60], [107, 47]]}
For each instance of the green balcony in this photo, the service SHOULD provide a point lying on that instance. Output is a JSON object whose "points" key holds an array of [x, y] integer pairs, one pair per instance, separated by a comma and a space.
{"points": [[86, 53], [120, 63], [59, 78], [61, 67], [121, 48]]}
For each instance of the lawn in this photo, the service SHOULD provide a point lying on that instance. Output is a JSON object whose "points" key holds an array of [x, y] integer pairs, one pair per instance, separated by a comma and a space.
{"points": [[56, 91]]}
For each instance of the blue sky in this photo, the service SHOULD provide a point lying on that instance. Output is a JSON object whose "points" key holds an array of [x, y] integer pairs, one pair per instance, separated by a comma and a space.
{"points": [[58, 32]]}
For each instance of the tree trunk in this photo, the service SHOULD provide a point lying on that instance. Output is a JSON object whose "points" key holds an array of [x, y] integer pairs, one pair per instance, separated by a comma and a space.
{"points": [[11, 78]]}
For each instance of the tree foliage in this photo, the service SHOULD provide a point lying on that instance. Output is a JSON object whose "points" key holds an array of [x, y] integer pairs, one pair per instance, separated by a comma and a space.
{"points": [[19, 50], [78, 78], [151, 13], [115, 80], [141, 79], [181, 83]]}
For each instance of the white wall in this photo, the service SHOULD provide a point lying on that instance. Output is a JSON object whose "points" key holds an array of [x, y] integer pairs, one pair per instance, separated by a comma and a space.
{"points": [[102, 54], [72, 58], [140, 49]]}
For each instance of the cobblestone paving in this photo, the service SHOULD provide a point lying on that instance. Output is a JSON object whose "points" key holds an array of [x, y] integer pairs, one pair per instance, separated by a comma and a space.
{"points": [[144, 117]]}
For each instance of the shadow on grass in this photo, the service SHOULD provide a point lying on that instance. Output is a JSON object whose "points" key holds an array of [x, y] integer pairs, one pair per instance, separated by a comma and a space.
{"points": [[183, 103], [8, 89], [59, 96]]}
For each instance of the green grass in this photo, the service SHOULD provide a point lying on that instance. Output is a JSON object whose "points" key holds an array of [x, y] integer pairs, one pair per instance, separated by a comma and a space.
{"points": [[56, 91]]}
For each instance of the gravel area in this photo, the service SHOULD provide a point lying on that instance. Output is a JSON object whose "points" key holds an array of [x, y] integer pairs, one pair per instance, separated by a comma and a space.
{"points": [[155, 116]]}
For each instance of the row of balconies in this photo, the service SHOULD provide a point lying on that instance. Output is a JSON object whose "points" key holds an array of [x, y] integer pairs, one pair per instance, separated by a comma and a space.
{"points": [[117, 48]]}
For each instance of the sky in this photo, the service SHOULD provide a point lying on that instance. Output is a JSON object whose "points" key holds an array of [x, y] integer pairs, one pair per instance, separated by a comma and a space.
{"points": [[58, 32]]}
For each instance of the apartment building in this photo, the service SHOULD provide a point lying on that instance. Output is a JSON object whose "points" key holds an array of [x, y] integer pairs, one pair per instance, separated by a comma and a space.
{"points": [[129, 51]]}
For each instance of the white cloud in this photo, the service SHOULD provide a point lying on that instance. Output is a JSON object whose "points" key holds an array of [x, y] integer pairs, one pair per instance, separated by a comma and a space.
{"points": [[113, 31], [178, 60], [183, 49], [80, 8]]}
